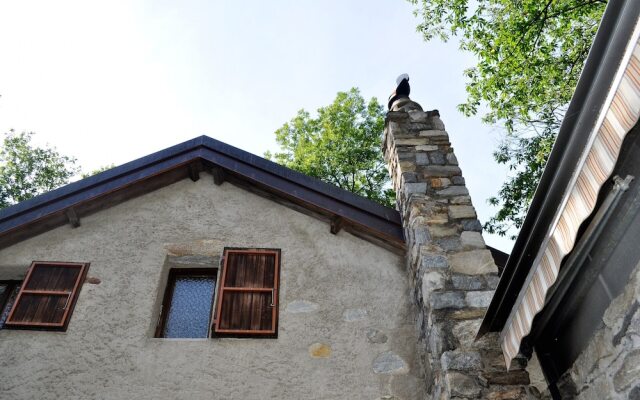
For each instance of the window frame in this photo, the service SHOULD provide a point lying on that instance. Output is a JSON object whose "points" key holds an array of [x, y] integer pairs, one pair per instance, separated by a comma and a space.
{"points": [[221, 289], [168, 296], [72, 297]]}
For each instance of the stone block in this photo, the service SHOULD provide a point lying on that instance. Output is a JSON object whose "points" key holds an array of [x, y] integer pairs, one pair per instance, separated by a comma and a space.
{"points": [[422, 159], [479, 299], [467, 314], [446, 171], [467, 282], [474, 262], [389, 363], [427, 147], [461, 200], [406, 155], [465, 331], [507, 393], [458, 180], [629, 371], [449, 243], [411, 142], [442, 300], [436, 158], [492, 281], [461, 212], [460, 361], [407, 166], [518, 377], [409, 177], [431, 261], [397, 115], [415, 188], [438, 231], [436, 133], [451, 159], [437, 183], [418, 116], [471, 239], [376, 336], [432, 280], [454, 191], [471, 225], [461, 385], [439, 218]]}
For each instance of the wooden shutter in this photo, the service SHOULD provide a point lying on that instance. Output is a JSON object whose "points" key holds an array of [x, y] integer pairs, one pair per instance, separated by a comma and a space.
{"points": [[47, 296], [248, 293]]}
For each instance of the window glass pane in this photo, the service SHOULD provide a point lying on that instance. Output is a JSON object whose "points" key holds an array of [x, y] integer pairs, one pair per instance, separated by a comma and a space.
{"points": [[190, 307]]}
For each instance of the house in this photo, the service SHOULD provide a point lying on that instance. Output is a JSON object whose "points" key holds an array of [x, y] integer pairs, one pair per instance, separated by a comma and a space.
{"points": [[203, 271]]}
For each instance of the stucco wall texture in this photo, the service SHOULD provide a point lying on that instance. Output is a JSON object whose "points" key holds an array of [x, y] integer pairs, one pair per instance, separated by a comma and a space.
{"points": [[346, 327]]}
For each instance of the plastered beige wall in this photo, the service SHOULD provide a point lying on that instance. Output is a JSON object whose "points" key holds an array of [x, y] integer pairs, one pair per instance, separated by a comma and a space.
{"points": [[339, 295]]}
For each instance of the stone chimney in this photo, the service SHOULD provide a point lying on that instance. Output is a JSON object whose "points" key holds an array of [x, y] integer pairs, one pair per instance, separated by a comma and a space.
{"points": [[452, 273]]}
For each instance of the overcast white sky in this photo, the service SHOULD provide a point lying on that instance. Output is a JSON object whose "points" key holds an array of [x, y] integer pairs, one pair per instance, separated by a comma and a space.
{"points": [[108, 82]]}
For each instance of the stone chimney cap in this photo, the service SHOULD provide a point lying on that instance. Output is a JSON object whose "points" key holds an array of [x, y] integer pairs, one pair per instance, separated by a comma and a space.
{"points": [[402, 77], [399, 99]]}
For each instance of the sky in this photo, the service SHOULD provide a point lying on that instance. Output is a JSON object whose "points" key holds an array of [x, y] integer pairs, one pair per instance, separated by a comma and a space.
{"points": [[109, 82]]}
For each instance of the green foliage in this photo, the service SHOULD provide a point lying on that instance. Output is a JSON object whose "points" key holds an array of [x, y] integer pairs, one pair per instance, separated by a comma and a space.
{"points": [[26, 170], [340, 146], [97, 171], [530, 54]]}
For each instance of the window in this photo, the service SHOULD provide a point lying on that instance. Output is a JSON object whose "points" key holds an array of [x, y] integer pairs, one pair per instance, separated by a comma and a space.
{"points": [[248, 294], [47, 296], [8, 293], [186, 308], [246, 298]]}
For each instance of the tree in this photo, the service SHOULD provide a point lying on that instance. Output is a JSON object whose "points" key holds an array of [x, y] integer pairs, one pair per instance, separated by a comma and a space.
{"points": [[27, 170], [341, 145], [530, 54]]}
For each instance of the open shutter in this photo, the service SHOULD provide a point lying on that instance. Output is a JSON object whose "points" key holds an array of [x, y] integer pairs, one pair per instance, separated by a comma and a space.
{"points": [[47, 296], [248, 293]]}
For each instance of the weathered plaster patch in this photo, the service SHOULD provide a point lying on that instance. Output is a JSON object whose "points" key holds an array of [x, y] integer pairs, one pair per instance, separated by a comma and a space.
{"points": [[354, 314], [301, 306], [320, 350]]}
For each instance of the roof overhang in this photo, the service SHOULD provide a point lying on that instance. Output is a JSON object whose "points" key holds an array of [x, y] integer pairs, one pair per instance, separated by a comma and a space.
{"points": [[604, 108], [340, 208]]}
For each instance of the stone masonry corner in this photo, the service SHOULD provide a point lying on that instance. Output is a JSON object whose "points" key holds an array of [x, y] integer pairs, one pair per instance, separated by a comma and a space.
{"points": [[451, 272]]}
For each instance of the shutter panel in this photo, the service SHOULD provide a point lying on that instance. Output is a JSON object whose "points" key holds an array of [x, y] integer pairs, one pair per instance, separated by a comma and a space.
{"points": [[47, 296], [248, 293]]}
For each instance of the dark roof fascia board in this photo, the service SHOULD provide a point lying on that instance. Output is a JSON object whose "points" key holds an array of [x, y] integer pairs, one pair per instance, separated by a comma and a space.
{"points": [[357, 209], [595, 81]]}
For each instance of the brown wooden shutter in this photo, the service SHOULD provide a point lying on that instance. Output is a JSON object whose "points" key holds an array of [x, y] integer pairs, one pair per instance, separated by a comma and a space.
{"points": [[47, 296], [248, 293]]}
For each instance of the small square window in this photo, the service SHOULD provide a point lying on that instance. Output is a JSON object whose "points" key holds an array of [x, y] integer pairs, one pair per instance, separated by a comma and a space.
{"points": [[247, 298]]}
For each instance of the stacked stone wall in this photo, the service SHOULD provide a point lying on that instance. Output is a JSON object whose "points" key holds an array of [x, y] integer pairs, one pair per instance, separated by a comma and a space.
{"points": [[609, 368], [451, 272]]}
